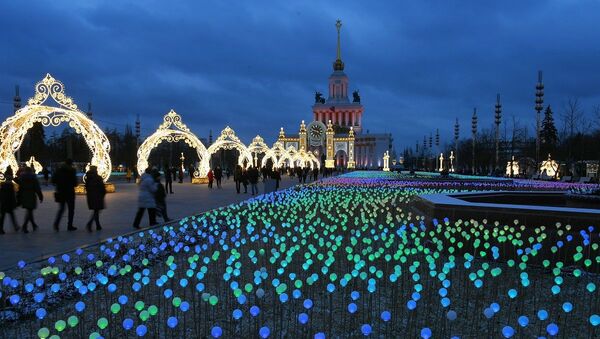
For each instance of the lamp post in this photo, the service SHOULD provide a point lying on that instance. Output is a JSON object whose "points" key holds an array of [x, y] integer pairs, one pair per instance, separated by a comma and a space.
{"points": [[539, 105], [474, 131], [497, 121], [456, 130]]}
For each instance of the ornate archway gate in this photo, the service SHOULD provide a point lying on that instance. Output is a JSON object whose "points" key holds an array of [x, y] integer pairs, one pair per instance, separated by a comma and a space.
{"points": [[172, 130], [14, 129], [227, 141]]}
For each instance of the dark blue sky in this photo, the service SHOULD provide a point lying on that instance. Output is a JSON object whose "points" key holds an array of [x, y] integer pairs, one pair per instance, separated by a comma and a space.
{"points": [[255, 65]]}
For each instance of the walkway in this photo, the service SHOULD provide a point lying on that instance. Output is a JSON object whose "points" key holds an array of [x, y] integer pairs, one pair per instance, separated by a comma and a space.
{"points": [[116, 219]]}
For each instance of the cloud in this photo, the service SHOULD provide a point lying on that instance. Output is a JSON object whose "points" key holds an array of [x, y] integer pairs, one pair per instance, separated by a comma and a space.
{"points": [[254, 65]]}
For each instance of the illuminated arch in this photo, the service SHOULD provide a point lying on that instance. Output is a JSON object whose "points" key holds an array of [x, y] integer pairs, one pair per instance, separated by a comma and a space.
{"points": [[14, 129], [274, 153], [227, 141], [35, 165], [257, 147], [304, 158], [288, 156], [171, 130]]}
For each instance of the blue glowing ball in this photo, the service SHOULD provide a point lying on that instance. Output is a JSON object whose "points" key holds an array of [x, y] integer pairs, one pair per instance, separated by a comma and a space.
{"points": [[386, 316], [552, 329], [567, 307], [426, 333], [216, 332], [264, 332], [40, 313], [127, 324], [495, 307], [308, 304], [366, 329], [254, 311], [411, 304], [320, 335], [451, 315], [352, 307], [508, 331], [354, 295], [523, 321], [185, 306], [488, 312], [172, 322], [237, 314], [595, 320], [303, 318], [14, 299], [141, 330], [123, 299], [542, 314]]}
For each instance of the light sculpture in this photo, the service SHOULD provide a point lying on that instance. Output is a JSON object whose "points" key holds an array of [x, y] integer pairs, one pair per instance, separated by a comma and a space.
{"points": [[172, 130], [257, 147], [35, 165], [386, 161], [550, 167], [512, 167], [227, 141], [14, 129], [275, 153], [303, 159]]}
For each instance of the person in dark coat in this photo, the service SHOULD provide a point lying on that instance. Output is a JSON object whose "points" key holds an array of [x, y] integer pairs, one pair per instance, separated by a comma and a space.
{"points": [[245, 179], [181, 175], [29, 193], [238, 177], [46, 174], [253, 179], [168, 179], [218, 176], [315, 173], [65, 180], [8, 201], [95, 192], [161, 197]]}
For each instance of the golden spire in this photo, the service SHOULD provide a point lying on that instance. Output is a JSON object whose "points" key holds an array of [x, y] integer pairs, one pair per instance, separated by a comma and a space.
{"points": [[338, 65]]}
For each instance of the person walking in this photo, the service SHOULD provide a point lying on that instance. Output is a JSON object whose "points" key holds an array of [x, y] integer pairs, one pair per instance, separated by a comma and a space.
{"points": [[168, 179], [245, 180], [65, 180], [29, 193], [315, 173], [46, 174], [192, 169], [277, 178], [181, 175], [128, 174], [8, 202], [237, 177], [253, 179], [146, 199], [218, 176], [211, 177], [161, 197], [95, 192]]}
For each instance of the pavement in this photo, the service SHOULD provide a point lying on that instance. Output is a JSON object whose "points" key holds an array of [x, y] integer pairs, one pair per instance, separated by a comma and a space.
{"points": [[116, 219]]}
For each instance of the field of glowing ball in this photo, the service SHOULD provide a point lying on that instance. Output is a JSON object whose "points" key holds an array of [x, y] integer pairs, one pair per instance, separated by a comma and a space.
{"points": [[344, 257]]}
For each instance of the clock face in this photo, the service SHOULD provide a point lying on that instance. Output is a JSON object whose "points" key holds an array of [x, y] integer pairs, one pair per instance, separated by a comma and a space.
{"points": [[316, 133]]}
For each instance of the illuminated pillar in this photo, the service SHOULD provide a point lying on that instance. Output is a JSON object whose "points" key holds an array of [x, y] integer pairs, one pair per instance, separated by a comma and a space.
{"points": [[329, 161], [302, 136], [351, 163], [386, 161]]}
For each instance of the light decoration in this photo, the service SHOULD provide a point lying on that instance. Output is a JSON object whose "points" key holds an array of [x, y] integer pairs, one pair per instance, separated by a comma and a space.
{"points": [[512, 167], [386, 161], [287, 157], [172, 129], [303, 159], [550, 167], [256, 147], [274, 153], [227, 141], [14, 129], [441, 159], [452, 157], [339, 243], [35, 165]]}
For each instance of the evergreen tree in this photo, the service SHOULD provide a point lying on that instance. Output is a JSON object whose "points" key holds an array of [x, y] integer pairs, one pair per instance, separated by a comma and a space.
{"points": [[548, 134]]}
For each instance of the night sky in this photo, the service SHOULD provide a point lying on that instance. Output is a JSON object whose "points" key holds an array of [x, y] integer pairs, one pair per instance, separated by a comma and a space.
{"points": [[255, 65]]}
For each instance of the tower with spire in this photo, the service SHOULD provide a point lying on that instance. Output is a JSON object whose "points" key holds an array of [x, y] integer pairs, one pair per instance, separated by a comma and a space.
{"points": [[338, 107]]}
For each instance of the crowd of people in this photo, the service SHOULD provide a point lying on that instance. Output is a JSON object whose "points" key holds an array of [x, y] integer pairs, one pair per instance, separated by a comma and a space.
{"points": [[23, 189]]}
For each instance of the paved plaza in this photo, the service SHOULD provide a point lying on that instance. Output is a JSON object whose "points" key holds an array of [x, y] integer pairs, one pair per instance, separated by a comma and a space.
{"points": [[116, 219]]}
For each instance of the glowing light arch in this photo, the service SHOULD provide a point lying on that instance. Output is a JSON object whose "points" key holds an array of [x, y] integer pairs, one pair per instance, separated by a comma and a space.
{"points": [[257, 147], [227, 141], [274, 153], [303, 158], [171, 130], [35, 165], [288, 156], [14, 129]]}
